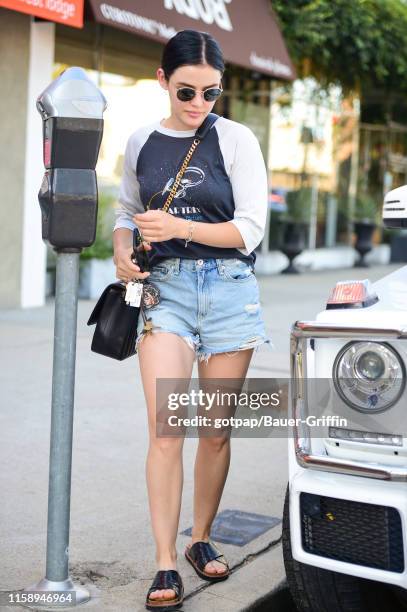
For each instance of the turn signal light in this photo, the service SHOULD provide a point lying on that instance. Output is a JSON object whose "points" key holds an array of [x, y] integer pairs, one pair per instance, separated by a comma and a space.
{"points": [[352, 294]]}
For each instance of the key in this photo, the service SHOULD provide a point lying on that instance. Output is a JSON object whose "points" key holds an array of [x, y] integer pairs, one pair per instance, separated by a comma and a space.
{"points": [[148, 326], [148, 323]]}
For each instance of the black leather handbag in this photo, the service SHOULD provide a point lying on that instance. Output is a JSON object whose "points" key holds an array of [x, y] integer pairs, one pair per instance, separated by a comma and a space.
{"points": [[116, 321]]}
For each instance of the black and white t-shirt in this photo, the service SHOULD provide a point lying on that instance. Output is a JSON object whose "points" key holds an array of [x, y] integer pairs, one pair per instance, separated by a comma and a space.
{"points": [[226, 180]]}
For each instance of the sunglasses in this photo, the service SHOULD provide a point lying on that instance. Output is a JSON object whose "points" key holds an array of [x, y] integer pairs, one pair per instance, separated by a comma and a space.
{"points": [[139, 257], [185, 94]]}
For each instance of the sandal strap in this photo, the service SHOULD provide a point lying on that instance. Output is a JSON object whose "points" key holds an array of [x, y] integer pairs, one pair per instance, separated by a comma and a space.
{"points": [[167, 579], [203, 552]]}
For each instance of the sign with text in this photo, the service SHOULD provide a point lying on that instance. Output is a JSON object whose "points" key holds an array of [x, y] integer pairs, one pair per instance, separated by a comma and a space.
{"points": [[68, 12], [247, 32]]}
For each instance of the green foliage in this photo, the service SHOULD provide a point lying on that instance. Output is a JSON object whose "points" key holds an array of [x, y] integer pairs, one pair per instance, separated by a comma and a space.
{"points": [[367, 208], [359, 44], [298, 205], [102, 248]]}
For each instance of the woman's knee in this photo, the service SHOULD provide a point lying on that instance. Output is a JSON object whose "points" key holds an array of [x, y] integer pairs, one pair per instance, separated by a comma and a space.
{"points": [[166, 446], [215, 444]]}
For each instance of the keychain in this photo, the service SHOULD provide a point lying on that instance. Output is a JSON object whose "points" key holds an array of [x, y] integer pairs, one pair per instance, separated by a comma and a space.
{"points": [[148, 324], [137, 291], [134, 291]]}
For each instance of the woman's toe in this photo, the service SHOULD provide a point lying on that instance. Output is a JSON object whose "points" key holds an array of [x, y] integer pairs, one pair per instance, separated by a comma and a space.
{"points": [[162, 594], [210, 568], [220, 567]]}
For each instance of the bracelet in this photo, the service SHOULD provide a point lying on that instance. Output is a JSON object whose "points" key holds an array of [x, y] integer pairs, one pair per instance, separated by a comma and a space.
{"points": [[191, 231]]}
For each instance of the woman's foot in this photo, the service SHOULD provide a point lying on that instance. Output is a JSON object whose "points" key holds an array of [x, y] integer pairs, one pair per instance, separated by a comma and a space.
{"points": [[161, 595], [213, 567], [164, 593]]}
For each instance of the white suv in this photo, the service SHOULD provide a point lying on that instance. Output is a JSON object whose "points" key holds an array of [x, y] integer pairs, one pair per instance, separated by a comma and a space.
{"points": [[345, 517]]}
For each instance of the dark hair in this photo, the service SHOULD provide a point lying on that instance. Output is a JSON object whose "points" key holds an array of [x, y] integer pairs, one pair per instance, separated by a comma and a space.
{"points": [[191, 47]]}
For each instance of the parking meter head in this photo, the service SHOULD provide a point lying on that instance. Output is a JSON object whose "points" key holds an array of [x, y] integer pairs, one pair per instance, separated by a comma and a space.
{"points": [[68, 201], [395, 208], [72, 111], [73, 95]]}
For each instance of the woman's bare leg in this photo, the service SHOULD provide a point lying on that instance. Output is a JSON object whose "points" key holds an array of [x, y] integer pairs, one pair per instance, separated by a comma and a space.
{"points": [[164, 355], [213, 455]]}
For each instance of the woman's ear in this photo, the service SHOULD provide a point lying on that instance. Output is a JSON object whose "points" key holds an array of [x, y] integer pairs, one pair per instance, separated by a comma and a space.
{"points": [[161, 78]]}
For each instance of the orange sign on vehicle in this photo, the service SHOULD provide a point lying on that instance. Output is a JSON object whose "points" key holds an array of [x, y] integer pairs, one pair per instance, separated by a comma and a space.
{"points": [[68, 12]]}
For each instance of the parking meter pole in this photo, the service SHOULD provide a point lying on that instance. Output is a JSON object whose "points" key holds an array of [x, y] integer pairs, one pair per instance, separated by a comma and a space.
{"points": [[63, 385], [72, 112], [57, 582]]}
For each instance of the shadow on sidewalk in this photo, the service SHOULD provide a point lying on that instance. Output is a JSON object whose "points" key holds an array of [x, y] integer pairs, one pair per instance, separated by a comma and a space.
{"points": [[280, 601]]}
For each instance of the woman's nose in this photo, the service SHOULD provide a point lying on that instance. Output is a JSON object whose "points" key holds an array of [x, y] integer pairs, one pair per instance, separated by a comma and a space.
{"points": [[197, 100]]}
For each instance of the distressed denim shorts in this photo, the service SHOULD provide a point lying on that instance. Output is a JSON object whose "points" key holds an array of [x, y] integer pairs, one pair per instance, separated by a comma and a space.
{"points": [[213, 304]]}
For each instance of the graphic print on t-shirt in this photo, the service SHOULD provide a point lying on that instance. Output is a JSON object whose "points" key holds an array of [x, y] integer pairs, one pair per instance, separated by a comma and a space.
{"points": [[192, 177], [204, 194]]}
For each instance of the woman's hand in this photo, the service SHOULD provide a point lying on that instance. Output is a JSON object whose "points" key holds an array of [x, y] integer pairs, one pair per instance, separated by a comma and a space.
{"points": [[157, 225], [126, 270]]}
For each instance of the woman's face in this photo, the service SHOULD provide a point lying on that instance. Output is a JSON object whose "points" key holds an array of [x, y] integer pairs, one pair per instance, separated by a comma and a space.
{"points": [[189, 115]]}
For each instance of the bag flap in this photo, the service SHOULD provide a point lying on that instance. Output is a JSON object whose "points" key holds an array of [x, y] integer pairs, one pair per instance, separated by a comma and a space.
{"points": [[99, 304]]}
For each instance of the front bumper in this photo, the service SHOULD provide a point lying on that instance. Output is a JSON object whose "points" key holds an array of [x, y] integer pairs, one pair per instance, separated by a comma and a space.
{"points": [[357, 490]]}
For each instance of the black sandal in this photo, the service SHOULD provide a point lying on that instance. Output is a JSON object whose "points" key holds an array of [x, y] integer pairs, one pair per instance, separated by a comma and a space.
{"points": [[166, 579], [200, 553]]}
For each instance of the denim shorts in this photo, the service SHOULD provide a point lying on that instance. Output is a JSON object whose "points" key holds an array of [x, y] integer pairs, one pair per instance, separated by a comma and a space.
{"points": [[213, 304]]}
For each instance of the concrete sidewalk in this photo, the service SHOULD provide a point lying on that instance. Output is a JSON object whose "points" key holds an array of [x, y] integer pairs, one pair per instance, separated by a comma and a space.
{"points": [[111, 544]]}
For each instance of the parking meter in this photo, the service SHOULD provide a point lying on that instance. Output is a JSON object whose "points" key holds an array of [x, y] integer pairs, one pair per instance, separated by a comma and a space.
{"points": [[72, 111]]}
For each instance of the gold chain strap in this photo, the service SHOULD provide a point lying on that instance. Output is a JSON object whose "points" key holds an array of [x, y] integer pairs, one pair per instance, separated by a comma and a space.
{"points": [[180, 175], [148, 324]]}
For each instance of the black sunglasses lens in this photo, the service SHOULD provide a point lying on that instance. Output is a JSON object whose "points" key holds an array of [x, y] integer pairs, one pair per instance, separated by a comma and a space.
{"points": [[212, 94], [185, 94]]}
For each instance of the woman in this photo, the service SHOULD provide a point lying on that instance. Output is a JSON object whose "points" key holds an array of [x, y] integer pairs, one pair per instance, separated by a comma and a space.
{"points": [[200, 291]]}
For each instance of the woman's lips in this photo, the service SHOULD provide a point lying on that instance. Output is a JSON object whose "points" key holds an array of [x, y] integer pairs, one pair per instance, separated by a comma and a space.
{"points": [[192, 114]]}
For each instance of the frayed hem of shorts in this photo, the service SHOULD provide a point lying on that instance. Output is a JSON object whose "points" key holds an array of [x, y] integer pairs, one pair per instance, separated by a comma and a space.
{"points": [[189, 341], [251, 343]]}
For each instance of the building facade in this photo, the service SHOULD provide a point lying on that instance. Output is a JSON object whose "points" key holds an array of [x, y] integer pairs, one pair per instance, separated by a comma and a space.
{"points": [[120, 44]]}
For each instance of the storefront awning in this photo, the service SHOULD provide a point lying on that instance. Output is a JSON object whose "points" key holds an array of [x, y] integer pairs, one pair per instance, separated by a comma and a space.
{"points": [[63, 11], [247, 31]]}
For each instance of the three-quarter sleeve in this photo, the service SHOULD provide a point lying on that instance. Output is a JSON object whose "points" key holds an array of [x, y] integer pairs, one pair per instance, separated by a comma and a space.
{"points": [[250, 190], [129, 195]]}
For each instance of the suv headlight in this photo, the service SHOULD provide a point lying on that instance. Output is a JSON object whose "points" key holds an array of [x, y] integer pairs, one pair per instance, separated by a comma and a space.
{"points": [[369, 376]]}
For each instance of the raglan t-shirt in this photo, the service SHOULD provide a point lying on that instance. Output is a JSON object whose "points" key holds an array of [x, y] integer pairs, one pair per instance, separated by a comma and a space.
{"points": [[225, 180]]}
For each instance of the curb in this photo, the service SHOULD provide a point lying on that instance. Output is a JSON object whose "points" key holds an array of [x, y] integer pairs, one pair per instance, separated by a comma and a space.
{"points": [[248, 585]]}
